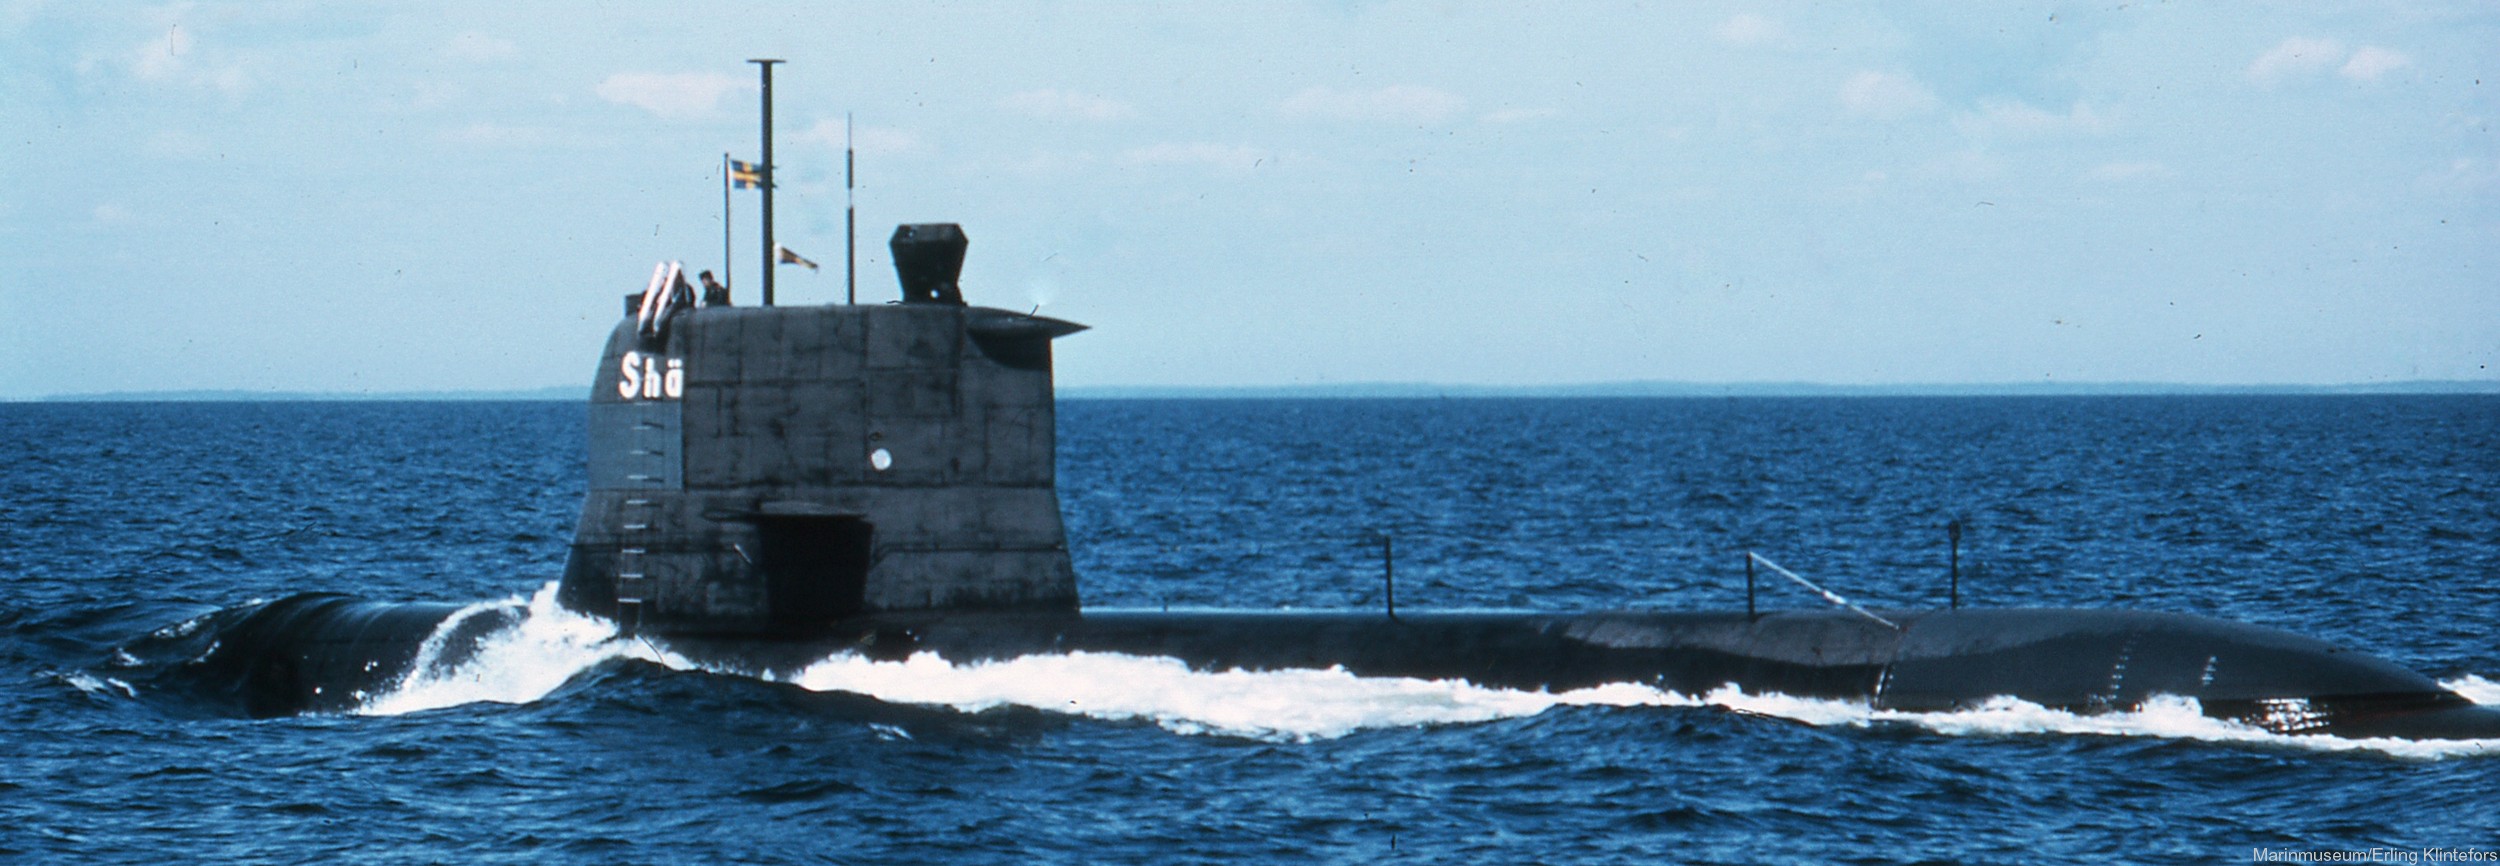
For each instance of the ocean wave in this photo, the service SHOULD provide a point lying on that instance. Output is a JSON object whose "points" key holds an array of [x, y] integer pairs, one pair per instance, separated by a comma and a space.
{"points": [[2474, 688], [546, 646]]}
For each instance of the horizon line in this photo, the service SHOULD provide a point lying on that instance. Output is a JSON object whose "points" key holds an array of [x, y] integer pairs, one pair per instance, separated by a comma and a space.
{"points": [[1400, 390]]}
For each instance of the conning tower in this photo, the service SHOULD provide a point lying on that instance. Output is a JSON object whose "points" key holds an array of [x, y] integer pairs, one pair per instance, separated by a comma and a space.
{"points": [[770, 471]]}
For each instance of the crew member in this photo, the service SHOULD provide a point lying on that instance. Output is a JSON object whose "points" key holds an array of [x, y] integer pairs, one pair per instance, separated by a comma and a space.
{"points": [[714, 294]]}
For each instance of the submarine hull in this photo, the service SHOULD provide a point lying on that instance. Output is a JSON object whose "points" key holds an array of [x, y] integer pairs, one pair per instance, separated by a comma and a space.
{"points": [[326, 653], [2084, 661]]}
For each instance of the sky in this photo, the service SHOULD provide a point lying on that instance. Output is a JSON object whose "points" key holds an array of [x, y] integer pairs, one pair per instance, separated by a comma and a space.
{"points": [[388, 197]]}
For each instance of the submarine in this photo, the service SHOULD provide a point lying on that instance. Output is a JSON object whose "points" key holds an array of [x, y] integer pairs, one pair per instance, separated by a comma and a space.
{"points": [[770, 486]]}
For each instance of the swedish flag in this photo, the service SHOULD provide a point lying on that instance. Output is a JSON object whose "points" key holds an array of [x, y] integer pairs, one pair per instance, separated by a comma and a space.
{"points": [[744, 175]]}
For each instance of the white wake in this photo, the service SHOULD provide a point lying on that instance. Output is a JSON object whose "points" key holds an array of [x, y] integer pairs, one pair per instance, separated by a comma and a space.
{"points": [[550, 645]]}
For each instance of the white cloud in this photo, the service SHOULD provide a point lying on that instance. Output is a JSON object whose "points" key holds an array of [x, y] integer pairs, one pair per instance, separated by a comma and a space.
{"points": [[675, 96], [1750, 29], [2371, 61], [172, 54], [1235, 157], [1886, 96], [2020, 119], [230, 80], [1066, 104], [160, 57], [2295, 56], [1397, 103], [478, 47]]}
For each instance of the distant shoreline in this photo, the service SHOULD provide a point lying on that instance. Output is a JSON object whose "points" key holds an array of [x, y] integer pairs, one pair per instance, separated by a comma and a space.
{"points": [[571, 393], [1402, 390], [1764, 389]]}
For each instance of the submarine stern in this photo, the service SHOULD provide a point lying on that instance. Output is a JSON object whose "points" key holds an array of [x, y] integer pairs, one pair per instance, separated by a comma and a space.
{"points": [[2090, 661]]}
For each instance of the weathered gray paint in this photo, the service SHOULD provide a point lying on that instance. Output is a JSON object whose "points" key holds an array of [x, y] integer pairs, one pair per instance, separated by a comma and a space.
{"points": [[780, 411]]}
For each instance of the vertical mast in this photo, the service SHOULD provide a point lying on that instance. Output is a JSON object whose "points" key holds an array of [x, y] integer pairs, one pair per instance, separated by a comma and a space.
{"points": [[772, 251], [725, 275], [850, 220]]}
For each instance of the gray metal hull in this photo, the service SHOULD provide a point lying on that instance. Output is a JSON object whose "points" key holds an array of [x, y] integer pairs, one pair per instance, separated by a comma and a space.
{"points": [[319, 652]]}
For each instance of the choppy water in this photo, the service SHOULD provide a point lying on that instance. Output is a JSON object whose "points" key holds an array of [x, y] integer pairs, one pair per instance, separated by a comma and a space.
{"points": [[2370, 521]]}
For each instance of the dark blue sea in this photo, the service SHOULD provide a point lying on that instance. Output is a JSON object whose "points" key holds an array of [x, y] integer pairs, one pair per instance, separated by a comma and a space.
{"points": [[2372, 521]]}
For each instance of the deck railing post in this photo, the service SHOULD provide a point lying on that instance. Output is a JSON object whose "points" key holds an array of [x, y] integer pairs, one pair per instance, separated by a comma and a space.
{"points": [[1749, 614], [1389, 573], [1953, 535]]}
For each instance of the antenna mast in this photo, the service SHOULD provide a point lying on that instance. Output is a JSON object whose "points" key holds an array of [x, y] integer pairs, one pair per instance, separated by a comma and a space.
{"points": [[850, 220], [727, 274], [772, 251]]}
